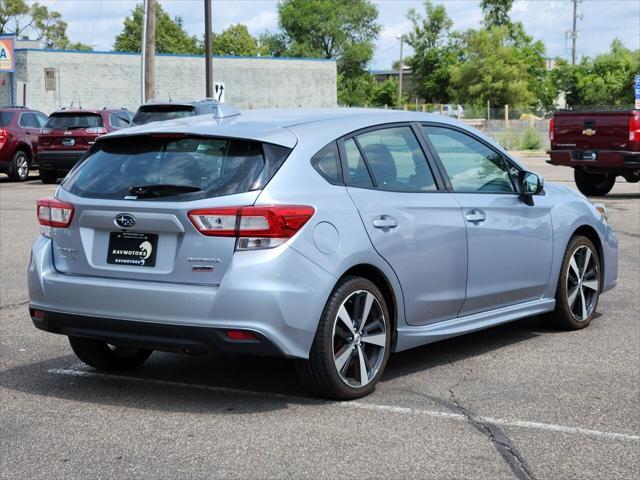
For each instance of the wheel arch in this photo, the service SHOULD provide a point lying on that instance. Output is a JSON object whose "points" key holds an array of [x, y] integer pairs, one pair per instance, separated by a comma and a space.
{"points": [[591, 233], [377, 276], [23, 147]]}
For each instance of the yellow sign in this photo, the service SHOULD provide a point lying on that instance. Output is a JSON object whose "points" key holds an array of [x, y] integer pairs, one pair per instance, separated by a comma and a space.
{"points": [[7, 63]]}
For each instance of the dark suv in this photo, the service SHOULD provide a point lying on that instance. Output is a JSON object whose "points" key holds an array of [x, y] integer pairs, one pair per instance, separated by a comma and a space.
{"points": [[69, 133], [19, 127], [157, 111]]}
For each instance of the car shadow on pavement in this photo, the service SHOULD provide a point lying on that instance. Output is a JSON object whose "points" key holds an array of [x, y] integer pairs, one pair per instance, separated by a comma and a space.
{"points": [[232, 384], [460, 348]]}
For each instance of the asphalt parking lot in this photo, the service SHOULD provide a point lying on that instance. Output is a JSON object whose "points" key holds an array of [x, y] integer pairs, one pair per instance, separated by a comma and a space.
{"points": [[518, 400]]}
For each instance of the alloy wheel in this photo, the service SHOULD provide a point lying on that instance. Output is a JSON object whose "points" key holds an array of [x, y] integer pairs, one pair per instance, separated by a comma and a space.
{"points": [[359, 338], [583, 283], [22, 166]]}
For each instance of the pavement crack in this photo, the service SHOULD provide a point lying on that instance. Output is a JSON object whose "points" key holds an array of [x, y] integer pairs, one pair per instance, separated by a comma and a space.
{"points": [[502, 443], [12, 305]]}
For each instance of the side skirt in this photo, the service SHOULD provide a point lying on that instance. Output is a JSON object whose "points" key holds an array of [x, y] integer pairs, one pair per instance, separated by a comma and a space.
{"points": [[409, 337]]}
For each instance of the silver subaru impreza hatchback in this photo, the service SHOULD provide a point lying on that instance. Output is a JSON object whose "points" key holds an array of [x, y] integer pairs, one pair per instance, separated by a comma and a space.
{"points": [[330, 236]]}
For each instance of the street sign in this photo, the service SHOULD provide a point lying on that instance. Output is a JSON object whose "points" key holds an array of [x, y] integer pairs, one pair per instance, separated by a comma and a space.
{"points": [[637, 85], [218, 91], [7, 60]]}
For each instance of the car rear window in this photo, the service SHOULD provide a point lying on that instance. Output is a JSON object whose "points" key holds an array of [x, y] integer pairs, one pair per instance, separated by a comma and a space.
{"points": [[160, 113], [5, 118], [215, 166], [70, 121]]}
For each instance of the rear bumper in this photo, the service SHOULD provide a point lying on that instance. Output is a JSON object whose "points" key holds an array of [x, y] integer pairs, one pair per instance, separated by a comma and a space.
{"points": [[278, 294], [62, 161], [606, 160], [180, 338]]}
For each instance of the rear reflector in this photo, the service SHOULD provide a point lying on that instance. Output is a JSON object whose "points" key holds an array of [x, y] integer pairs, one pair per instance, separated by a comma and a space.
{"points": [[634, 127], [254, 227], [54, 213], [241, 335]]}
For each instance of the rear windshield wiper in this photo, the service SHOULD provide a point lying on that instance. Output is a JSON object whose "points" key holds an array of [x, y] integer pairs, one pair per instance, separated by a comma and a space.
{"points": [[161, 190], [75, 127]]}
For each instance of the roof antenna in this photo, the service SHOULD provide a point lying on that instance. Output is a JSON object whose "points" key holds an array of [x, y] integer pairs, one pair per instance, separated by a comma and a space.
{"points": [[170, 96], [79, 103], [71, 106]]}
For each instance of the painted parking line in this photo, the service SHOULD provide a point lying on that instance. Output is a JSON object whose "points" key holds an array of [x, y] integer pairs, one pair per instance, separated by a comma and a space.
{"points": [[78, 371]]}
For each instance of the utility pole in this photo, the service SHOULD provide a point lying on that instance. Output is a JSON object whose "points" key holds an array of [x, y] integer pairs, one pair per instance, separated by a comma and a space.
{"points": [[401, 66], [143, 52], [574, 32], [150, 50], [208, 50]]}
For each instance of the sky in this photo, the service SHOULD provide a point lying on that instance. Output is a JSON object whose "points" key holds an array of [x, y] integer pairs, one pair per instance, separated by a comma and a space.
{"points": [[97, 22]]}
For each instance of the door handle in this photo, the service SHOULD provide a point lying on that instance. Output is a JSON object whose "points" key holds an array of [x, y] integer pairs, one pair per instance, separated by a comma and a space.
{"points": [[475, 216], [385, 222]]}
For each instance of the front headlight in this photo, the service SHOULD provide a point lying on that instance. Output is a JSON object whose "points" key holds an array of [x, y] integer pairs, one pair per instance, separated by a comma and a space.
{"points": [[602, 210]]}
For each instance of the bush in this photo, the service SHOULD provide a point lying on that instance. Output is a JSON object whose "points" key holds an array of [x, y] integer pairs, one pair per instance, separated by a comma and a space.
{"points": [[531, 139]]}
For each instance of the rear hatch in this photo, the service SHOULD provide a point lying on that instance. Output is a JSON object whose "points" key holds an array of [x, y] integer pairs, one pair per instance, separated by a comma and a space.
{"points": [[132, 196], [590, 130], [71, 131], [158, 113]]}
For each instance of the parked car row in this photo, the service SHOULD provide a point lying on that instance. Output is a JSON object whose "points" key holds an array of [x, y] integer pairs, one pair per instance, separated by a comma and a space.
{"points": [[29, 139]]}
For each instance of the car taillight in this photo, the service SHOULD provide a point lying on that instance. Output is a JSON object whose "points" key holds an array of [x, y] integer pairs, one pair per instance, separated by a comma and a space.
{"points": [[4, 136], [552, 126], [634, 127], [54, 213], [98, 130], [254, 228]]}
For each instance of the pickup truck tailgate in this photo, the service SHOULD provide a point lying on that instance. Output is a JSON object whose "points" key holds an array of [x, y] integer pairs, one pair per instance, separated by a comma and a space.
{"points": [[591, 130]]}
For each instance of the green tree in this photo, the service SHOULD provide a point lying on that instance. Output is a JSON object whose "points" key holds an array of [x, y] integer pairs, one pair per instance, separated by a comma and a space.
{"points": [[496, 12], [491, 69], [603, 81], [435, 50], [607, 79], [386, 94], [36, 22], [336, 29], [236, 40], [170, 35]]}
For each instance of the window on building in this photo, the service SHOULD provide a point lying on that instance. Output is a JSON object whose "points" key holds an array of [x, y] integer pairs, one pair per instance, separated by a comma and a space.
{"points": [[49, 79]]}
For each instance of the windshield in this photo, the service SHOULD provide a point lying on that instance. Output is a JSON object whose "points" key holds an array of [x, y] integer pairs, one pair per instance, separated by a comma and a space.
{"points": [[5, 118], [64, 121], [208, 166], [158, 114]]}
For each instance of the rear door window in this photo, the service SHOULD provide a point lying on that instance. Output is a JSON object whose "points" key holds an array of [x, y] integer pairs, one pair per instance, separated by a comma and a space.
{"points": [[357, 173], [28, 120], [396, 160], [72, 121], [211, 166]]}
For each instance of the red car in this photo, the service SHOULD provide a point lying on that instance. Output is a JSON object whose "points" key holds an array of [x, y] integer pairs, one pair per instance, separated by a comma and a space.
{"points": [[69, 133], [19, 127]]}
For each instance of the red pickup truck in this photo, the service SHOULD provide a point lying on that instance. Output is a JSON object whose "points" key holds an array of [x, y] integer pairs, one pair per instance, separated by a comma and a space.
{"points": [[599, 146]]}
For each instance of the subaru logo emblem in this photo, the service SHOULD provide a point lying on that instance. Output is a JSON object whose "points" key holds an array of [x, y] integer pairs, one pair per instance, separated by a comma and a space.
{"points": [[124, 220]]}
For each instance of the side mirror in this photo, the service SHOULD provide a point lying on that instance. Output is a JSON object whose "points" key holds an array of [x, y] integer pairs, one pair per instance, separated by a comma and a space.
{"points": [[530, 184]]}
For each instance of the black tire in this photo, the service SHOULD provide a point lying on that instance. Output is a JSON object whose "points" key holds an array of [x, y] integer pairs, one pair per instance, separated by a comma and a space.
{"points": [[48, 176], [19, 166], [566, 313], [320, 374], [99, 354], [593, 184]]}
